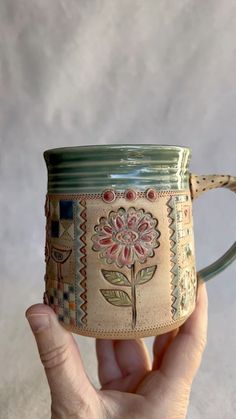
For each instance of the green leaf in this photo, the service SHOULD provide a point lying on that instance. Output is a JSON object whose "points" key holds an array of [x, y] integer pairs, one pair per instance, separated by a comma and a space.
{"points": [[145, 275], [115, 277], [117, 297]]}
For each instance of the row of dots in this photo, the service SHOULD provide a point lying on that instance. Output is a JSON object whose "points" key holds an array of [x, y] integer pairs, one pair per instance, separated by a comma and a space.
{"points": [[109, 195]]}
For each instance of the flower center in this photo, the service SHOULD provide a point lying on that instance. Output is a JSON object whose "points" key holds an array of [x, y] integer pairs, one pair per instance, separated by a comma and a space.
{"points": [[127, 236]]}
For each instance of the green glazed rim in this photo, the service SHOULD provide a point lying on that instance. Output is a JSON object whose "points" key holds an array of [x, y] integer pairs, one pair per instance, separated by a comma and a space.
{"points": [[93, 168]]}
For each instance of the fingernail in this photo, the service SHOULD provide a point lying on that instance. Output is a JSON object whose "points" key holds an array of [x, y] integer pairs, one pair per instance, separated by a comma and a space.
{"points": [[38, 322]]}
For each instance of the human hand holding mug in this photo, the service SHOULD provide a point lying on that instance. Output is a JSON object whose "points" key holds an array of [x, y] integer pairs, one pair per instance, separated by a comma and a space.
{"points": [[120, 264]]}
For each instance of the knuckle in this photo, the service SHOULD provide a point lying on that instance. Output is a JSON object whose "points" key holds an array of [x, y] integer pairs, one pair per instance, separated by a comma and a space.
{"points": [[198, 344], [55, 356], [201, 343]]}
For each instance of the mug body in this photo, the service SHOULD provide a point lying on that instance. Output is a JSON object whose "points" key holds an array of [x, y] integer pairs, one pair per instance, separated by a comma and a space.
{"points": [[119, 252]]}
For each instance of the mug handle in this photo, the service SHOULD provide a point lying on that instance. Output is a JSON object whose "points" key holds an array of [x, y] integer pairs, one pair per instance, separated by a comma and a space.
{"points": [[198, 185]]}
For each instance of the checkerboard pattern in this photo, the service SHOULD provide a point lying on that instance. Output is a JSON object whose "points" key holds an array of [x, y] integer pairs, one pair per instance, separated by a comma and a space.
{"points": [[61, 298]]}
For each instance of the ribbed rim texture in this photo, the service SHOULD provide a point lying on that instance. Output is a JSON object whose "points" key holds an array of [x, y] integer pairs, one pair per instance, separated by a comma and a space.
{"points": [[92, 168]]}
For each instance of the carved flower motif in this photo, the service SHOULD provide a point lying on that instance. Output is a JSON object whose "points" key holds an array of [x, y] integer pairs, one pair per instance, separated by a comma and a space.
{"points": [[126, 236]]}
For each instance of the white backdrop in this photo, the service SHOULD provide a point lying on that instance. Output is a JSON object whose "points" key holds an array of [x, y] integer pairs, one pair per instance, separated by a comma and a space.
{"points": [[76, 72]]}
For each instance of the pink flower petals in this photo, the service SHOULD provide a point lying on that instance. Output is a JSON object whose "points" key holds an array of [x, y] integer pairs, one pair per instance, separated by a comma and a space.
{"points": [[126, 236]]}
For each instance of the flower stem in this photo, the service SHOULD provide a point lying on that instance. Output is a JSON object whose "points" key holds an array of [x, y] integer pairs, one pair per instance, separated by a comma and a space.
{"points": [[133, 297]]}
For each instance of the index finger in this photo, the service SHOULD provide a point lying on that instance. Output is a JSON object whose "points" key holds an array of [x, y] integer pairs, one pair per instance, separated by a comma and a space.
{"points": [[183, 356]]}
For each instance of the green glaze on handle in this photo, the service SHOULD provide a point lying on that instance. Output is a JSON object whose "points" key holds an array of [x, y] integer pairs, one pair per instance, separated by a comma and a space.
{"points": [[198, 185], [218, 266]]}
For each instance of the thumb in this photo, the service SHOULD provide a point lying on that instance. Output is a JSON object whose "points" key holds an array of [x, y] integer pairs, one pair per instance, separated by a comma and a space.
{"points": [[69, 385]]}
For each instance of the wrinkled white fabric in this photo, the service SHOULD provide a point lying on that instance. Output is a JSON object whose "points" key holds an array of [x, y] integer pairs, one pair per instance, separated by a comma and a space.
{"points": [[83, 72]]}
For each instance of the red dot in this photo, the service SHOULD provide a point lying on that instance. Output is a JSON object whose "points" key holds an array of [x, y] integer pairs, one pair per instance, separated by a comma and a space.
{"points": [[130, 194], [151, 194], [108, 196]]}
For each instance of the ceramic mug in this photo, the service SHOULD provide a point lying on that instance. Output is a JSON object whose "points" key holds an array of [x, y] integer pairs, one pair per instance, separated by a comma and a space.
{"points": [[119, 252]]}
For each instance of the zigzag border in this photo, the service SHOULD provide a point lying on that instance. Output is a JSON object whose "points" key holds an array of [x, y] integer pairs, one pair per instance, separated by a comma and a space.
{"points": [[171, 210], [81, 262]]}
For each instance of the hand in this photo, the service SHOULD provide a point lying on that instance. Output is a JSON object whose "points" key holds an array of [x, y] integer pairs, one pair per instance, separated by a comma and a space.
{"points": [[131, 386]]}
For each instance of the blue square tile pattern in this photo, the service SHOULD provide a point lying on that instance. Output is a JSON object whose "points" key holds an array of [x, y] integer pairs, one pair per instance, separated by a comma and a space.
{"points": [[66, 210]]}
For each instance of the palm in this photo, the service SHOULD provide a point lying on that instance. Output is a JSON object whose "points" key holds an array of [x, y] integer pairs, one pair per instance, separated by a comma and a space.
{"points": [[124, 364], [126, 373]]}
